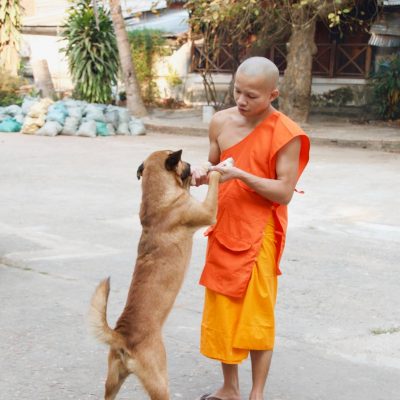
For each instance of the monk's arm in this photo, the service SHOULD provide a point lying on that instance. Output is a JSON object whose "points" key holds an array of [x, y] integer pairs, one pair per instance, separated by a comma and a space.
{"points": [[213, 133], [200, 175], [279, 190]]}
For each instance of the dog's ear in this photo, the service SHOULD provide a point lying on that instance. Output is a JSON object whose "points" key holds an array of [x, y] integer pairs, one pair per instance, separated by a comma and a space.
{"points": [[173, 159], [139, 172]]}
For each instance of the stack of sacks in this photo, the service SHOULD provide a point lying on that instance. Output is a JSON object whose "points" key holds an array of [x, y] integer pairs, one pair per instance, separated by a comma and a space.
{"points": [[28, 103], [94, 122], [36, 116], [71, 117], [11, 118], [55, 119], [75, 112]]}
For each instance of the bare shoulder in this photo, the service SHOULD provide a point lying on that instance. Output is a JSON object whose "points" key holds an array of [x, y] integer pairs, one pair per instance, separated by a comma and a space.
{"points": [[219, 119]]}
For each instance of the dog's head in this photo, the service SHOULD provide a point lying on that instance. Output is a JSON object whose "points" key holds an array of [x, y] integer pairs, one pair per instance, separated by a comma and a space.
{"points": [[166, 162]]}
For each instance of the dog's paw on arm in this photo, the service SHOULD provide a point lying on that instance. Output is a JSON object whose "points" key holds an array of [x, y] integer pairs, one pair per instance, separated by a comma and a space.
{"points": [[199, 174]]}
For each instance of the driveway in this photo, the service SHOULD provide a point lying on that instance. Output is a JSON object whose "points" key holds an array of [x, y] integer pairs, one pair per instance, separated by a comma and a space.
{"points": [[69, 217]]}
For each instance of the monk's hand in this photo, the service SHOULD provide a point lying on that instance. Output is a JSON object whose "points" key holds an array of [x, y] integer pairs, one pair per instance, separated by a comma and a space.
{"points": [[200, 174], [227, 170]]}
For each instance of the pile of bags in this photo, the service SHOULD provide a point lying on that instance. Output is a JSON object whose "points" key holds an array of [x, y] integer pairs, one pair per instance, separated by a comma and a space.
{"points": [[69, 117], [11, 119]]}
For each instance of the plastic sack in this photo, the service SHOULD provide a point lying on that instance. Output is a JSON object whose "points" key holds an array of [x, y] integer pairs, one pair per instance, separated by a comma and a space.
{"points": [[50, 128], [75, 112], [123, 129], [136, 127], [101, 129], [94, 113], [59, 107], [111, 129], [88, 129], [112, 117], [123, 115], [10, 125], [13, 110], [31, 125], [56, 114], [40, 109], [74, 103], [19, 118], [27, 103], [71, 125]]}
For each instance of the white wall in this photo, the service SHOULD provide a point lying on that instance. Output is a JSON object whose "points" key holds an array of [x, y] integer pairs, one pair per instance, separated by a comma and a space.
{"points": [[40, 47]]}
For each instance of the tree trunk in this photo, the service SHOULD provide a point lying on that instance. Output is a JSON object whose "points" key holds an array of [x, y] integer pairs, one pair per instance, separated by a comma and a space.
{"points": [[42, 78], [296, 88], [133, 99]]}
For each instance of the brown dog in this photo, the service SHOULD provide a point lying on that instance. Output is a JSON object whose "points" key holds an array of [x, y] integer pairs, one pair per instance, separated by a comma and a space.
{"points": [[169, 218]]}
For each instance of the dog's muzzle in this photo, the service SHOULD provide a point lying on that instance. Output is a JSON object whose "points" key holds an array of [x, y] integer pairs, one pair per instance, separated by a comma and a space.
{"points": [[186, 172]]}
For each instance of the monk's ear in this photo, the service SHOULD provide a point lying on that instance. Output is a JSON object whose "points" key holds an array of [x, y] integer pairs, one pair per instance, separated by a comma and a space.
{"points": [[139, 172], [173, 159], [274, 94]]}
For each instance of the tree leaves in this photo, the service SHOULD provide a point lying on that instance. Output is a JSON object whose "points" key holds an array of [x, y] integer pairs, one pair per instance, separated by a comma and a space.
{"points": [[92, 52]]}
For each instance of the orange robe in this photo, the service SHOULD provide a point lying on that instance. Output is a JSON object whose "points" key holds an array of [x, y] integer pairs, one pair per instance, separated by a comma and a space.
{"points": [[237, 244]]}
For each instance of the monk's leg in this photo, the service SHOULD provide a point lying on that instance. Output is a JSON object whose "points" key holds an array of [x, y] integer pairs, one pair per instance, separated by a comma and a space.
{"points": [[230, 388], [260, 363]]}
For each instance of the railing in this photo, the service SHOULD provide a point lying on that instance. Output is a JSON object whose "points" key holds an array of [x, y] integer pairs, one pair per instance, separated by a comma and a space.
{"points": [[332, 60]]}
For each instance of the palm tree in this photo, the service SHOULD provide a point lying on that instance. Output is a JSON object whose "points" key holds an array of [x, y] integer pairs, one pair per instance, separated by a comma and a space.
{"points": [[134, 101], [10, 25]]}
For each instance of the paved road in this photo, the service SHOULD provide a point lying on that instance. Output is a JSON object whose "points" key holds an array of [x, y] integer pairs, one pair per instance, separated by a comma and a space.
{"points": [[68, 217]]}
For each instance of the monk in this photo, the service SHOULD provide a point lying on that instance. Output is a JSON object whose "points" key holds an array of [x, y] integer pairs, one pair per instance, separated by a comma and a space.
{"points": [[270, 152]]}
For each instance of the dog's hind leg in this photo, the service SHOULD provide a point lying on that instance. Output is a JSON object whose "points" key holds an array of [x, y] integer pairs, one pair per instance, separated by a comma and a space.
{"points": [[117, 374], [152, 368]]}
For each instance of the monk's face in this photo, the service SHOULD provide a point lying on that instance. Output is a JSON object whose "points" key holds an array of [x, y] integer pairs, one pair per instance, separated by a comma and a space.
{"points": [[253, 94]]}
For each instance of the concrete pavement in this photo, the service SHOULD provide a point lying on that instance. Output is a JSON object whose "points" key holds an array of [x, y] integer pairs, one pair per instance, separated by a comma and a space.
{"points": [[69, 217]]}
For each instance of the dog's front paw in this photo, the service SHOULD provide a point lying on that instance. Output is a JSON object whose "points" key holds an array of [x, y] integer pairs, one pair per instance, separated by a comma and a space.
{"points": [[214, 176]]}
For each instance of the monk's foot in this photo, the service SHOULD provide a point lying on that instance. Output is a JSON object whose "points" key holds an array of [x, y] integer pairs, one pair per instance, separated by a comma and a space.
{"points": [[223, 394]]}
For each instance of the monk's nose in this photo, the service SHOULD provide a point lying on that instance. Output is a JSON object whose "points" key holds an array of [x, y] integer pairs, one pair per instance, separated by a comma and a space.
{"points": [[241, 101]]}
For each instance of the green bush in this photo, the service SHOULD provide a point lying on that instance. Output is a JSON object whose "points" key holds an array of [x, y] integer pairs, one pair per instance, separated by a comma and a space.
{"points": [[386, 88], [91, 51], [146, 45], [9, 89]]}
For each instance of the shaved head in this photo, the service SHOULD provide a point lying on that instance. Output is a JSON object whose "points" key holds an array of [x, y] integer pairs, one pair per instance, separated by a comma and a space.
{"points": [[260, 67]]}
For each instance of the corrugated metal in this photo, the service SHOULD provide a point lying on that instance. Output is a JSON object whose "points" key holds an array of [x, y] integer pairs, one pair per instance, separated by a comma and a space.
{"points": [[53, 12], [390, 2], [384, 40], [385, 30]]}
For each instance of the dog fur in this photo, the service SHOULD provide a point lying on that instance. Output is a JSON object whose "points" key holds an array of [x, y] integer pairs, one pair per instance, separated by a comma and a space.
{"points": [[169, 218]]}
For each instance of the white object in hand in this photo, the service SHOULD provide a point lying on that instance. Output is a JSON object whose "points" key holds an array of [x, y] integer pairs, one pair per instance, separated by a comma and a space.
{"points": [[229, 162]]}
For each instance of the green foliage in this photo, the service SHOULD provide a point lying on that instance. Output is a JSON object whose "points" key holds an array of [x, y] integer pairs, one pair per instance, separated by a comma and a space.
{"points": [[10, 23], [386, 88], [91, 51], [173, 79], [9, 89], [335, 98], [146, 46]]}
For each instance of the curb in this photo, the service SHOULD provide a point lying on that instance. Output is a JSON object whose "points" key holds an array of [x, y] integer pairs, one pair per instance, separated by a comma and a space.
{"points": [[176, 130], [378, 145], [392, 146]]}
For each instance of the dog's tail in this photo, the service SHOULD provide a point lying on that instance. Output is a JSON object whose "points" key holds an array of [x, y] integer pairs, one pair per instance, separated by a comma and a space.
{"points": [[98, 317]]}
